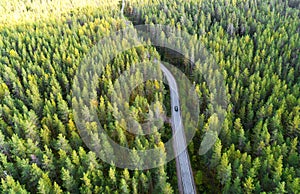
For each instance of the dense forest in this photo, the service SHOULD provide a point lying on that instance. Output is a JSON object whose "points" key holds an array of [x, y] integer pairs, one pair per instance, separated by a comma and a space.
{"points": [[255, 44]]}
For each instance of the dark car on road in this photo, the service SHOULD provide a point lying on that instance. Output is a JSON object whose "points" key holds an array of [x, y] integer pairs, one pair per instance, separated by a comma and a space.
{"points": [[176, 108]]}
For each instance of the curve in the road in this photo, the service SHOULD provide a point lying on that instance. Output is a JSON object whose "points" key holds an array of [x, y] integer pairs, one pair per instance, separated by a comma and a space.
{"points": [[185, 176], [184, 171]]}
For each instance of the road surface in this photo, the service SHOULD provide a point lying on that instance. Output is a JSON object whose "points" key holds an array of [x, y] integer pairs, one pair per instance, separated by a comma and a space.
{"points": [[122, 9], [186, 184], [185, 177]]}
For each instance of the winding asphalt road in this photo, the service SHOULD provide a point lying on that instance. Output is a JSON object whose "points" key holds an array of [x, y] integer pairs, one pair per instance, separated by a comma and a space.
{"points": [[185, 177], [186, 184]]}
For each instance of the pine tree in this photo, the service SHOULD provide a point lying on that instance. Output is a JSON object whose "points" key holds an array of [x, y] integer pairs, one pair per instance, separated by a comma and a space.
{"points": [[123, 186], [248, 185], [224, 170], [9, 185], [45, 185], [68, 181], [87, 185], [216, 157]]}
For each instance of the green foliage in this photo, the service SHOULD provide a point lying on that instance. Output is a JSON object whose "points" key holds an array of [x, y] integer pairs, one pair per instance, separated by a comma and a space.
{"points": [[254, 43], [256, 46], [40, 148]]}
